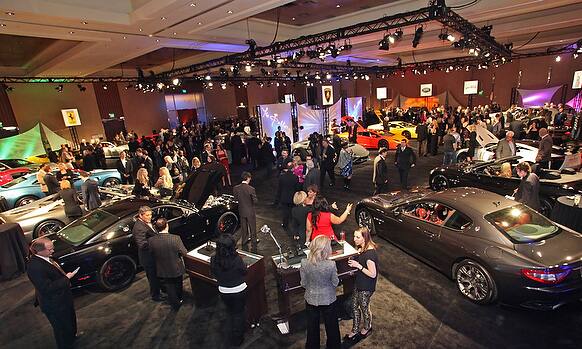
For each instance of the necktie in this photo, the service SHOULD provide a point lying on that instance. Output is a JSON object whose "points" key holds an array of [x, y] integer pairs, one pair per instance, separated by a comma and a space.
{"points": [[53, 262]]}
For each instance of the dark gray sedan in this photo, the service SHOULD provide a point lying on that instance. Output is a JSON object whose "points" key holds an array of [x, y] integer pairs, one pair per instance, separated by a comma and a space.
{"points": [[494, 248]]}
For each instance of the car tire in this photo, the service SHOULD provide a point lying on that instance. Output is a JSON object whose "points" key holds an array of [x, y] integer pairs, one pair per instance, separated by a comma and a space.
{"points": [[47, 227], [364, 219], [475, 283], [111, 182], [25, 200], [383, 144], [462, 157], [546, 207], [116, 273], [227, 223], [406, 135], [439, 182]]}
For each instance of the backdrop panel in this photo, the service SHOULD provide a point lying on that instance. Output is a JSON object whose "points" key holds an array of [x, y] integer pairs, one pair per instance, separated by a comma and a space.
{"points": [[275, 115], [354, 107], [537, 98], [335, 112], [309, 121], [23, 145]]}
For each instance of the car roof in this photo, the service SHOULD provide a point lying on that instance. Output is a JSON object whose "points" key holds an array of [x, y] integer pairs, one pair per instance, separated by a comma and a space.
{"points": [[471, 201]]}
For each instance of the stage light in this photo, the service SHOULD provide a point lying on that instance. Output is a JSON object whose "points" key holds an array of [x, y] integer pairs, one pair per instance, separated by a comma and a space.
{"points": [[207, 77], [328, 76], [248, 68], [81, 88], [223, 86], [391, 38], [384, 44], [210, 84], [59, 88], [451, 38], [222, 72], [160, 85], [176, 82], [558, 58], [417, 36], [105, 87]]}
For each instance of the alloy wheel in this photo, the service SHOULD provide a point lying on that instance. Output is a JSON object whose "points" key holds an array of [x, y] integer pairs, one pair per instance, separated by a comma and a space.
{"points": [[439, 182], [365, 220], [473, 283], [116, 273]]}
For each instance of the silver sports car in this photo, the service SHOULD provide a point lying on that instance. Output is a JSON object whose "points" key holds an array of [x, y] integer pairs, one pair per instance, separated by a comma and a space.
{"points": [[47, 215], [493, 247]]}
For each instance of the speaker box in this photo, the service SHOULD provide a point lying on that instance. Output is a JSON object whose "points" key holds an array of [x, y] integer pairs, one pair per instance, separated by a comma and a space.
{"points": [[311, 95]]}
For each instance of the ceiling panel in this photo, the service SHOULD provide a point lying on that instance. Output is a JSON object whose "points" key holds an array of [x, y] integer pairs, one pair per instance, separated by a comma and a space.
{"points": [[17, 51], [302, 12], [160, 56]]}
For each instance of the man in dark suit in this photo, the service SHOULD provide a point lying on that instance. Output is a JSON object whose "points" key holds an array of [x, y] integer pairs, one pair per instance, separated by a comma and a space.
{"points": [[142, 231], [381, 172], [53, 292], [125, 168], [288, 184], [90, 190], [311, 174], [51, 181], [283, 160], [528, 191], [545, 149], [405, 159], [246, 196], [327, 163], [422, 136], [168, 251], [517, 127]]}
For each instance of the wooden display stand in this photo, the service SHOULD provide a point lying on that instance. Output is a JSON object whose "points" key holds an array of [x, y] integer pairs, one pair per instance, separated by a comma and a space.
{"points": [[289, 282], [197, 264]]}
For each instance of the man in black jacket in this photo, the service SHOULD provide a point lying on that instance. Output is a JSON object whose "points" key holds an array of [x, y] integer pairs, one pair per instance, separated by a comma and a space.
{"points": [[528, 191], [544, 155], [90, 190], [405, 159], [288, 184], [246, 196], [51, 181], [53, 292], [327, 163], [142, 231], [168, 251], [125, 168], [422, 136], [381, 172]]}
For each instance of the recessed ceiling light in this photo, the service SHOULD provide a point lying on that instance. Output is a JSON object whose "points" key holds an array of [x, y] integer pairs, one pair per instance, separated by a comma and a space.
{"points": [[192, 4], [199, 23], [338, 5], [10, 13], [163, 18], [140, 29], [71, 32], [125, 37], [174, 33], [150, 35], [84, 22], [293, 18], [229, 12]]}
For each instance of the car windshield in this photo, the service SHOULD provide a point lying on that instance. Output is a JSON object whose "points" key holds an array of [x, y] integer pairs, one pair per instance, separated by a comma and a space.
{"points": [[522, 224], [16, 162], [86, 227], [14, 182]]}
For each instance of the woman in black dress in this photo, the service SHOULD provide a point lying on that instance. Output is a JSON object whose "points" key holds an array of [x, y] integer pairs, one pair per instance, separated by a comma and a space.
{"points": [[230, 270], [472, 142], [69, 195], [141, 187]]}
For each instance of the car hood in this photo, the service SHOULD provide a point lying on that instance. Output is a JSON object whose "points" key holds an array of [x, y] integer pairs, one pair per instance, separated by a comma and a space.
{"points": [[396, 198], [35, 208], [62, 247], [564, 248], [198, 186]]}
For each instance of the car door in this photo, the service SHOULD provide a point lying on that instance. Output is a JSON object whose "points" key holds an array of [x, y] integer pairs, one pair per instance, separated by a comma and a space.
{"points": [[181, 221], [364, 139]]}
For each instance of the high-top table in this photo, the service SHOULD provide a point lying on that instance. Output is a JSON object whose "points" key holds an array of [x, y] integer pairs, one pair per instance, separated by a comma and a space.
{"points": [[13, 251], [289, 281], [205, 287], [567, 214]]}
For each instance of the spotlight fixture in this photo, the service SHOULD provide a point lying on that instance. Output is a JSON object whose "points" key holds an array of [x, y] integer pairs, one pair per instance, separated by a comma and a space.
{"points": [[81, 88], [8, 88], [417, 36], [328, 76], [248, 68], [558, 58], [59, 88], [398, 34], [207, 77], [160, 85], [105, 87], [176, 81], [384, 44]]}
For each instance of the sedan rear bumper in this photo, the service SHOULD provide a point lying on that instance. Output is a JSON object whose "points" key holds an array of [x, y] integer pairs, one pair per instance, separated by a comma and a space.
{"points": [[550, 298]]}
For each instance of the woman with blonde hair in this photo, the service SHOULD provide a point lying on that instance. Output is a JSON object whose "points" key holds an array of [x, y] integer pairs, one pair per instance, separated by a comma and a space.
{"points": [[319, 278], [367, 264], [71, 199], [195, 164], [505, 170], [141, 187], [164, 182], [298, 169]]}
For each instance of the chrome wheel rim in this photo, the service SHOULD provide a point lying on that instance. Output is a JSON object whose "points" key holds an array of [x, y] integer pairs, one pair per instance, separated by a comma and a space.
{"points": [[227, 224], [117, 273], [473, 283], [26, 201], [111, 182], [439, 183], [365, 219], [48, 228]]}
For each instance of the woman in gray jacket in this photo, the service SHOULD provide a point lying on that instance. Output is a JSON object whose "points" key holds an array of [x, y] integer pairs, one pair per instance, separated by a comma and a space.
{"points": [[319, 278]]}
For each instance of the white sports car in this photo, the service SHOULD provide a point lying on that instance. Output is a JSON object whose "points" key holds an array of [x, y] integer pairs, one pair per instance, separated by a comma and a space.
{"points": [[361, 154]]}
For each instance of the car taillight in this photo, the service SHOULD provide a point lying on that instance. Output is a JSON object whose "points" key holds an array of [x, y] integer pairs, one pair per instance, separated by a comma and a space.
{"points": [[546, 276]]}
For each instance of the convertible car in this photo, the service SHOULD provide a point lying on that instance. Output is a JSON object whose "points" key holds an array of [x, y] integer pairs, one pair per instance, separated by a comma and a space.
{"points": [[101, 244], [484, 175], [26, 189], [371, 139], [399, 128], [47, 215], [360, 153], [492, 247]]}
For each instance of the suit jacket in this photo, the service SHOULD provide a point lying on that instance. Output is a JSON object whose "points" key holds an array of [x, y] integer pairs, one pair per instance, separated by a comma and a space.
{"points": [[517, 127], [328, 157], [405, 158], [90, 190], [51, 183], [141, 234], [528, 191], [422, 132], [288, 183], [311, 178], [545, 149], [71, 199], [503, 149], [53, 288], [247, 198], [168, 250], [381, 172], [126, 170]]}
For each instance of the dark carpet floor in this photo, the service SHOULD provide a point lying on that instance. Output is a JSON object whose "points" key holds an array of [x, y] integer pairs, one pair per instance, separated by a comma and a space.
{"points": [[414, 306]]}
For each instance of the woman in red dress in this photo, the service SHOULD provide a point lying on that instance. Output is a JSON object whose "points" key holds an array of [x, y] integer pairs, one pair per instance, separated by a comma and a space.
{"points": [[222, 156], [320, 220]]}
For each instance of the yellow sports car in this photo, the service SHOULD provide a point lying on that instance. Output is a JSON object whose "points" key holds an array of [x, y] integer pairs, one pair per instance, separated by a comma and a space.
{"points": [[403, 128], [38, 159]]}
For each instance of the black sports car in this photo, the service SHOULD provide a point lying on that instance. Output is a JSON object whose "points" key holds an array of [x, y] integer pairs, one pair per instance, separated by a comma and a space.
{"points": [[493, 247], [484, 175], [101, 243]]}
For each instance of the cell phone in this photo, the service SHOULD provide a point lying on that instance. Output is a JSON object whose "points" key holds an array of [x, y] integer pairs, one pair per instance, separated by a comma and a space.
{"points": [[76, 270]]}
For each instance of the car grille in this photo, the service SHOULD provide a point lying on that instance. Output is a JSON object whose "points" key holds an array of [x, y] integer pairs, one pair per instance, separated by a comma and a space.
{"points": [[3, 204]]}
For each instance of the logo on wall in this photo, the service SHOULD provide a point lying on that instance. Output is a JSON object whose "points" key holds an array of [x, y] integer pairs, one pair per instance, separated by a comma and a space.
{"points": [[327, 93], [381, 93], [471, 87], [577, 82], [71, 117], [425, 90]]}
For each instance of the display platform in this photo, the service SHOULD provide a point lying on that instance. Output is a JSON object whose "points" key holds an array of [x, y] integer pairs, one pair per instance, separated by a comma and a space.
{"points": [[289, 280], [197, 264]]}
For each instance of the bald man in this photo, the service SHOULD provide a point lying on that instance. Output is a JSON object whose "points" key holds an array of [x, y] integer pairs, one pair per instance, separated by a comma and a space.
{"points": [[53, 291]]}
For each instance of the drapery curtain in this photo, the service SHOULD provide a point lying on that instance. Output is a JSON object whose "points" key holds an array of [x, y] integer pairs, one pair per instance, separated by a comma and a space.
{"points": [[536, 98]]}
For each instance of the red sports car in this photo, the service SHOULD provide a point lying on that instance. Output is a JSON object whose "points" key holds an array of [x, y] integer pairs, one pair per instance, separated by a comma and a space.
{"points": [[8, 174], [370, 139]]}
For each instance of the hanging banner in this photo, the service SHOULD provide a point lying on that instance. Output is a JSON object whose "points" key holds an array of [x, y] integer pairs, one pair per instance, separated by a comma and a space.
{"points": [[334, 112], [327, 95], [425, 90], [354, 107], [537, 98], [71, 117], [309, 121], [471, 87], [577, 81]]}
